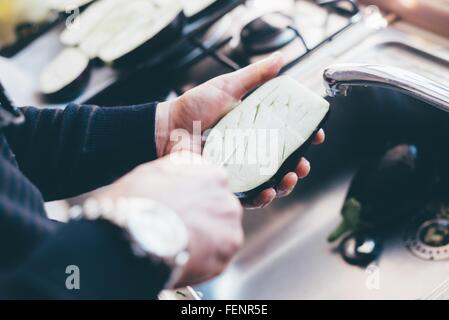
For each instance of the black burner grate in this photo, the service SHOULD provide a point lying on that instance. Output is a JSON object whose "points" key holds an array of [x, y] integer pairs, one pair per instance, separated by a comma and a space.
{"points": [[347, 8]]}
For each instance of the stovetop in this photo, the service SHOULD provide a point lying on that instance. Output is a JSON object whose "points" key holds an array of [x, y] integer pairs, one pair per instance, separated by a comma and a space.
{"points": [[317, 26], [184, 69]]}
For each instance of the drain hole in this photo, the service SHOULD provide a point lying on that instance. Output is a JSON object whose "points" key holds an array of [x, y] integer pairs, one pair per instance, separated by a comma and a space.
{"points": [[434, 233]]}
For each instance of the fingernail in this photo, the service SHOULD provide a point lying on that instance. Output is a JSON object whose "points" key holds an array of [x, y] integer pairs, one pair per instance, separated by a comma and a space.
{"points": [[288, 192], [265, 205], [283, 193], [307, 162]]}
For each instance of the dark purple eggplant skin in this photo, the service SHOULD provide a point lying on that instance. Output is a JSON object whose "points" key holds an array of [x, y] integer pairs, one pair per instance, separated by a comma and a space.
{"points": [[391, 190], [208, 10], [167, 35], [289, 165], [80, 8], [73, 90]]}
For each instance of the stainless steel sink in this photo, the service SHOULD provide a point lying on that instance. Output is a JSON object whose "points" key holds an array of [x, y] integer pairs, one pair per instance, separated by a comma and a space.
{"points": [[286, 255]]}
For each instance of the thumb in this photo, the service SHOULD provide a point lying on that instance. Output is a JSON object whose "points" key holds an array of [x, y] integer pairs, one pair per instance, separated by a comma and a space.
{"points": [[239, 83]]}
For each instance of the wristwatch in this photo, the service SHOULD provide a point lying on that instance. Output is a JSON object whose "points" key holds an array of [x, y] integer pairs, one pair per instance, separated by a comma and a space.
{"points": [[154, 230]]}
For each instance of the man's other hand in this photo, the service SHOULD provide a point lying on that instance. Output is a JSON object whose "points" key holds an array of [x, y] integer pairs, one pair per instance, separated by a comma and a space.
{"points": [[200, 194]]}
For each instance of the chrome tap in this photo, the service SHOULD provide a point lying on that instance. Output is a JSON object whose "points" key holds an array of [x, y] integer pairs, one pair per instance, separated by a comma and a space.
{"points": [[339, 78]]}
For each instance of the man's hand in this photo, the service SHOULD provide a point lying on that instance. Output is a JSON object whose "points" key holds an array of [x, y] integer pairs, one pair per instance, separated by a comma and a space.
{"points": [[200, 194], [208, 103]]}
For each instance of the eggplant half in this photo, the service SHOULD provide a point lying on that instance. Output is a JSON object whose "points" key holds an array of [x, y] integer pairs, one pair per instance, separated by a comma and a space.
{"points": [[66, 76], [385, 191], [122, 33], [264, 137], [143, 38], [64, 5], [193, 8], [88, 21], [121, 18]]}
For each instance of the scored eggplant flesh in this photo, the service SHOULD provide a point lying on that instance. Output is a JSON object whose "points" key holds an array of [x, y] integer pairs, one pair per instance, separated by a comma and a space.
{"points": [[65, 75], [117, 21], [265, 133], [193, 7], [88, 20], [138, 34]]}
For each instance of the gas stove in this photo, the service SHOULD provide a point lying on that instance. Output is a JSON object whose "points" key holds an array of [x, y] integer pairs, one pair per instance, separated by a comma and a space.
{"points": [[297, 28], [257, 29]]}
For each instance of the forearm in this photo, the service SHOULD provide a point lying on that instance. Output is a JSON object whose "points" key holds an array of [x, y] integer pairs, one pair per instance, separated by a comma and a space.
{"points": [[107, 267], [75, 150]]}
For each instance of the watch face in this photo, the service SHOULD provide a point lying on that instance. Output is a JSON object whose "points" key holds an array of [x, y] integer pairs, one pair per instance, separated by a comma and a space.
{"points": [[158, 230]]}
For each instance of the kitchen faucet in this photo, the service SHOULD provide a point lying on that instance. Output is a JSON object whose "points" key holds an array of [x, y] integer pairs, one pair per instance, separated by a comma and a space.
{"points": [[341, 77]]}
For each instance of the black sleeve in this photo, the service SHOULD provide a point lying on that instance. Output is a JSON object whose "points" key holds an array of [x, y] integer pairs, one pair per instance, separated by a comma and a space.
{"points": [[75, 150], [107, 267]]}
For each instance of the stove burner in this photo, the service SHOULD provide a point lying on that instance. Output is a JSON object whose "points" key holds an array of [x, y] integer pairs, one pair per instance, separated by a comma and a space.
{"points": [[428, 238], [435, 233], [267, 33]]}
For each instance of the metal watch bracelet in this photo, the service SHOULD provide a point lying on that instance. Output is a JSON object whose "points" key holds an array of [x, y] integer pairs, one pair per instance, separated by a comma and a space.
{"points": [[153, 230]]}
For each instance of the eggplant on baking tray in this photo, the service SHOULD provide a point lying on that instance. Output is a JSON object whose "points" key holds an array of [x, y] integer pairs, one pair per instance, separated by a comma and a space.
{"points": [[194, 8], [66, 76], [88, 20], [117, 20], [67, 5], [121, 32], [385, 191], [264, 137], [141, 39]]}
